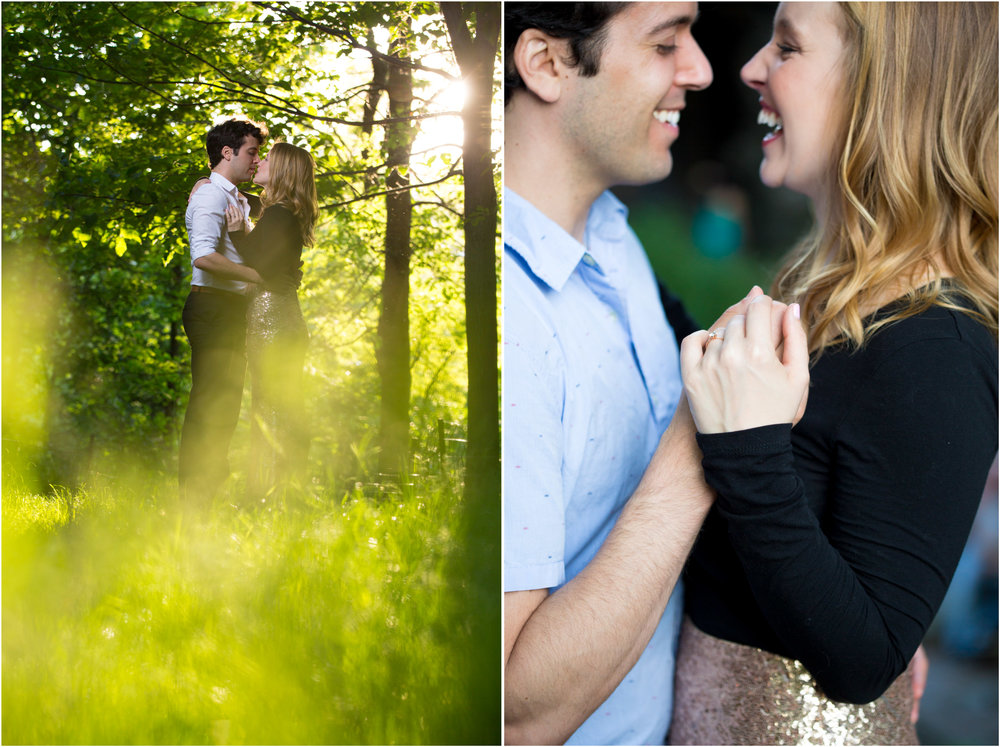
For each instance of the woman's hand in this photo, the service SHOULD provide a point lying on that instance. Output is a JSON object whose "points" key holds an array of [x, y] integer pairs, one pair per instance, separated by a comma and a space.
{"points": [[198, 185], [735, 379], [235, 220]]}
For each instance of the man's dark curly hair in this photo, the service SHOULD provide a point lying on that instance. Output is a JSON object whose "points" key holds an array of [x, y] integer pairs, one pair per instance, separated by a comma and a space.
{"points": [[231, 133], [583, 24]]}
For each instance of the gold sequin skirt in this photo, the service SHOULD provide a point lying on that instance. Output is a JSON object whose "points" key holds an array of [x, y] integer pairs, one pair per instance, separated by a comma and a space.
{"points": [[726, 693], [276, 347]]}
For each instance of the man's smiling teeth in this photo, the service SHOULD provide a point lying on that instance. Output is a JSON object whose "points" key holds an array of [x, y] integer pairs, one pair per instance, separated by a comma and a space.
{"points": [[771, 119], [673, 116]]}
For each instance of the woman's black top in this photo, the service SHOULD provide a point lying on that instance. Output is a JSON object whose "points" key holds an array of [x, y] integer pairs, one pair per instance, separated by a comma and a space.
{"points": [[273, 248], [834, 542]]}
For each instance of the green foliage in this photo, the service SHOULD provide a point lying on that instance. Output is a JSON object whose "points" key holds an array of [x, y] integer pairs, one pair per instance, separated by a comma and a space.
{"points": [[311, 621], [707, 285], [347, 615], [105, 107]]}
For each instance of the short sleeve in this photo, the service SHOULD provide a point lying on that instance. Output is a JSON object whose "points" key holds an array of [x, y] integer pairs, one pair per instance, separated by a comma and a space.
{"points": [[533, 396]]}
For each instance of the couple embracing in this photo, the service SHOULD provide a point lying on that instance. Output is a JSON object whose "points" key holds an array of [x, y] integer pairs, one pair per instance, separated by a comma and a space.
{"points": [[811, 464], [243, 307]]}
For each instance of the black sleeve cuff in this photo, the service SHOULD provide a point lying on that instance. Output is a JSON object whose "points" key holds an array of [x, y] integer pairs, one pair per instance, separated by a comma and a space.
{"points": [[752, 471], [752, 441]]}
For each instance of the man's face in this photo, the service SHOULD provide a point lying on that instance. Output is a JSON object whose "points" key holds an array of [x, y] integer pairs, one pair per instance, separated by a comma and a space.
{"points": [[245, 161], [622, 121]]}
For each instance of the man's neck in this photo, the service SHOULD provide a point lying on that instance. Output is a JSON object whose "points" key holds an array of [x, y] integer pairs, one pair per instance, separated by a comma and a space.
{"points": [[224, 173], [542, 170]]}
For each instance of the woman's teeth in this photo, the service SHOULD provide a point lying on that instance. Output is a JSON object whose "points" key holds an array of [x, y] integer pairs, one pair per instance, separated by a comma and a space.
{"points": [[671, 116], [771, 119]]}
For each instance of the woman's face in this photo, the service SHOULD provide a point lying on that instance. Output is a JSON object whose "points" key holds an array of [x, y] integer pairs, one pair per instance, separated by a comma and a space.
{"points": [[798, 75], [263, 170]]}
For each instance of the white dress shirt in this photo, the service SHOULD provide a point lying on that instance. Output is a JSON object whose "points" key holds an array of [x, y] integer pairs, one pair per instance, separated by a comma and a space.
{"points": [[206, 226]]}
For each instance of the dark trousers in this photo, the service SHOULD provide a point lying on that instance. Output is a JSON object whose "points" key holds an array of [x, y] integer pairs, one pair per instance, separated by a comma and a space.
{"points": [[215, 324]]}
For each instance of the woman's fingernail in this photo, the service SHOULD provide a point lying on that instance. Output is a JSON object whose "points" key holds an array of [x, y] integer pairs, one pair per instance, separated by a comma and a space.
{"points": [[796, 311]]}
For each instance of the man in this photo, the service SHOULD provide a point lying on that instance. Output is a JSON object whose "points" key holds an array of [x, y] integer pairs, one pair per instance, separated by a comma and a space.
{"points": [[594, 539], [215, 312]]}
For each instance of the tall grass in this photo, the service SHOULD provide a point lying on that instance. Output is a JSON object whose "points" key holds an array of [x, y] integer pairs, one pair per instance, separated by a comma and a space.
{"points": [[129, 618]]}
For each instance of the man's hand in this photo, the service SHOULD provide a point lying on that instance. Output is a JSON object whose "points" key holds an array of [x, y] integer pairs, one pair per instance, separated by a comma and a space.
{"points": [[226, 268], [920, 665]]}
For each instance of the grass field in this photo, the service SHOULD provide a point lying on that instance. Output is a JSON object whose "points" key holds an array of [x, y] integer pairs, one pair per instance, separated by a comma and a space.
{"points": [[130, 619]]}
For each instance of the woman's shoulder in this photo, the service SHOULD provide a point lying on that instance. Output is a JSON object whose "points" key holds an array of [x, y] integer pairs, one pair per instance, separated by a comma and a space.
{"points": [[931, 345], [937, 325], [938, 347], [279, 211], [282, 216]]}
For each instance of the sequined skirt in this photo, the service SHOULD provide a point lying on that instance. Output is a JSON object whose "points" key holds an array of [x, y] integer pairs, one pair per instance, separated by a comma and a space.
{"points": [[726, 693], [276, 346]]}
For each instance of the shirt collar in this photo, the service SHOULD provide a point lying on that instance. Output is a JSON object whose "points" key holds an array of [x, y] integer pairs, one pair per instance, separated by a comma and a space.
{"points": [[550, 252], [221, 181]]}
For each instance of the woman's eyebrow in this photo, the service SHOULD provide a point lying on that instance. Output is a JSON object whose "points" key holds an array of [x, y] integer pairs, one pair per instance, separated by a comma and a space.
{"points": [[785, 26]]}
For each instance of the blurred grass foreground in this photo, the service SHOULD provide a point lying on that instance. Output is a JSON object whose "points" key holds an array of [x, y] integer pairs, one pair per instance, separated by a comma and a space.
{"points": [[128, 619], [343, 612]]}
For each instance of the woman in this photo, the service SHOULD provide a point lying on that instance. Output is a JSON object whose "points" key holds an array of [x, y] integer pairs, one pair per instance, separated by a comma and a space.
{"points": [[831, 546], [276, 331]]}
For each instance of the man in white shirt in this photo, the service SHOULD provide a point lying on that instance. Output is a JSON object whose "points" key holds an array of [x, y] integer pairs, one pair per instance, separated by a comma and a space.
{"points": [[215, 311]]}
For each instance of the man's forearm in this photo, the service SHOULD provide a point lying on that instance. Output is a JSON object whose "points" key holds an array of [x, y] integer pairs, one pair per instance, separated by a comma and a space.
{"points": [[580, 642], [219, 265]]}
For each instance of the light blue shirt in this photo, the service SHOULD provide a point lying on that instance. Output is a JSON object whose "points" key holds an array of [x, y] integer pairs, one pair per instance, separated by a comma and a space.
{"points": [[205, 219], [591, 379]]}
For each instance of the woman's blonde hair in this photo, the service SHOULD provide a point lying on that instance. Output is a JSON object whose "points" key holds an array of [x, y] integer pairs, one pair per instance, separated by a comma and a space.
{"points": [[916, 175], [292, 183]]}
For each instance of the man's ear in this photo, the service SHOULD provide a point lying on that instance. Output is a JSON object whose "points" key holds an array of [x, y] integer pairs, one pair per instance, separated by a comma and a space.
{"points": [[227, 152], [539, 60]]}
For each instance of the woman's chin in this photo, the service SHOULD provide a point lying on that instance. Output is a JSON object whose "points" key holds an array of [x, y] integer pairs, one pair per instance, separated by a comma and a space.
{"points": [[768, 175]]}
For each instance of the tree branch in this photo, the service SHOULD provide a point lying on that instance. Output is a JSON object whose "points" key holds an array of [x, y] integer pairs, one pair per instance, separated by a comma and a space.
{"points": [[346, 36], [395, 190]]}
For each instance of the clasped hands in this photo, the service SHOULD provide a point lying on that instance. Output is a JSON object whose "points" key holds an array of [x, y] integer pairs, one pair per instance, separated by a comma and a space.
{"points": [[751, 370]]}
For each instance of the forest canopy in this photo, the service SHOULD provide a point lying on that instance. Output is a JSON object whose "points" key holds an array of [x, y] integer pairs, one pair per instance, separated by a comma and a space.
{"points": [[342, 612], [105, 110]]}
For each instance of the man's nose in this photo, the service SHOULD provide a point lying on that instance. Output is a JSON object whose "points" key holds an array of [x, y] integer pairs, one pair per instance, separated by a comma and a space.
{"points": [[694, 71]]}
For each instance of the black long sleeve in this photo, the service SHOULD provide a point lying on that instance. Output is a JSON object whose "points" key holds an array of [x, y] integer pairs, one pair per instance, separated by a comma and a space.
{"points": [[274, 247], [834, 543]]}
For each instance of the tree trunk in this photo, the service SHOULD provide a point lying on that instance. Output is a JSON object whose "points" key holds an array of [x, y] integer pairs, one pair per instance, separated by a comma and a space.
{"points": [[481, 502], [476, 59], [394, 321]]}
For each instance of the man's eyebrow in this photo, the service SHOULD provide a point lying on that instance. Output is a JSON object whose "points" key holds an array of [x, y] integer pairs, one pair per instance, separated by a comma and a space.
{"points": [[671, 23]]}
